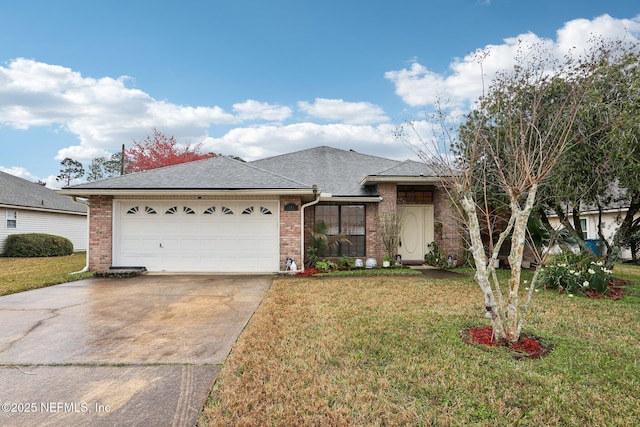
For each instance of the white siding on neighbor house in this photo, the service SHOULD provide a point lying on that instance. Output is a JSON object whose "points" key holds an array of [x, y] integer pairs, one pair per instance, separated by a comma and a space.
{"points": [[610, 223], [73, 227]]}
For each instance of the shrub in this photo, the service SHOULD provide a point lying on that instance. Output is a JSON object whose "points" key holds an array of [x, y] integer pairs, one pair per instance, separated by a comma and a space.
{"points": [[37, 245], [346, 262], [436, 256], [576, 275], [325, 265]]}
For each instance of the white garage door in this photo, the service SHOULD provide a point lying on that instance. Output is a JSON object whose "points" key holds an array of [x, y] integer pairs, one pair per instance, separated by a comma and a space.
{"points": [[185, 236]]}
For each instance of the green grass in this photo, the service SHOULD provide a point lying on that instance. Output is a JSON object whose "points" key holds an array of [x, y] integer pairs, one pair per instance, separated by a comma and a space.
{"points": [[370, 272], [387, 351], [22, 274]]}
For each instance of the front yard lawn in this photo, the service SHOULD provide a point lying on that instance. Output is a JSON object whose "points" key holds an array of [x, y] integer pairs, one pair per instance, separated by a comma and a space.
{"points": [[22, 274], [388, 351]]}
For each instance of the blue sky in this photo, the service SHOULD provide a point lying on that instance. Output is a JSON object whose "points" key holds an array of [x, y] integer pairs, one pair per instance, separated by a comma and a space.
{"points": [[256, 78]]}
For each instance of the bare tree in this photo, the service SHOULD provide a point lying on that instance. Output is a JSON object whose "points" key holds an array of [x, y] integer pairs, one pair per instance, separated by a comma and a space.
{"points": [[389, 227], [512, 140]]}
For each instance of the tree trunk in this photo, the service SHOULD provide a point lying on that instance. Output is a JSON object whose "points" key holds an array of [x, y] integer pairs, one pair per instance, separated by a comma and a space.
{"points": [[624, 231], [564, 220], [482, 269], [518, 240]]}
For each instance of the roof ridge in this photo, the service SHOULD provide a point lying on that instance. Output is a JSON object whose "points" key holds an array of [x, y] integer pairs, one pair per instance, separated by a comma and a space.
{"points": [[393, 167], [324, 147]]}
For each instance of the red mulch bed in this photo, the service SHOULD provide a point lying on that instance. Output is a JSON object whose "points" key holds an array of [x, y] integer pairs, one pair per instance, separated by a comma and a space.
{"points": [[616, 290], [528, 346], [308, 272]]}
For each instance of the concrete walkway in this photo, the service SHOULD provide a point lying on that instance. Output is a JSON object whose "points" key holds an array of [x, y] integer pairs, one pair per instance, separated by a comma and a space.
{"points": [[141, 351]]}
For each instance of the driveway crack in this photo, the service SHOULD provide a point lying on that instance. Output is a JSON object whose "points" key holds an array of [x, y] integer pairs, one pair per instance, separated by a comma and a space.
{"points": [[53, 313]]}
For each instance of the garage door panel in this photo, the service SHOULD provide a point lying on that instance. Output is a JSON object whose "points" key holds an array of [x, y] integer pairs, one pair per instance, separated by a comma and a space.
{"points": [[198, 236], [141, 244]]}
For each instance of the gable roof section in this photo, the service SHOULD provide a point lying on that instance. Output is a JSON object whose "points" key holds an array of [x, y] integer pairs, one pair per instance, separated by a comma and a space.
{"points": [[407, 168], [20, 193], [334, 171], [407, 172], [217, 173]]}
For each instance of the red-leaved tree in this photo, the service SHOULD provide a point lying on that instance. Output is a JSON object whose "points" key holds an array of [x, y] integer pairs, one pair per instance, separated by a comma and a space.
{"points": [[158, 150]]}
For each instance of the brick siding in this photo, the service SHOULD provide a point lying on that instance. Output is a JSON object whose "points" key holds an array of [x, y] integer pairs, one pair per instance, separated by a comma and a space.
{"points": [[447, 227], [290, 232], [101, 232]]}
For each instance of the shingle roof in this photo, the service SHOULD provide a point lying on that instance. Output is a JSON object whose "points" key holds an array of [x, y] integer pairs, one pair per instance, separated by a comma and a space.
{"points": [[15, 191], [221, 173], [407, 168], [335, 171]]}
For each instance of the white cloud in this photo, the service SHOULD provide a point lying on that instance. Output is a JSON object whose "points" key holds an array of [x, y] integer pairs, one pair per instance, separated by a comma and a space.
{"points": [[257, 142], [577, 34], [420, 87], [19, 172], [103, 113], [356, 113], [254, 110]]}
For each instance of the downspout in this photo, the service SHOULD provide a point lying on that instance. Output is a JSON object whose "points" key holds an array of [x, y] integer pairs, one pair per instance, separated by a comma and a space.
{"points": [[311, 203], [86, 205]]}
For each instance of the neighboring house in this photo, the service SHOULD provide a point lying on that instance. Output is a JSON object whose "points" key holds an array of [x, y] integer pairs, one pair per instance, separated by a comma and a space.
{"points": [[589, 218], [223, 215], [26, 207]]}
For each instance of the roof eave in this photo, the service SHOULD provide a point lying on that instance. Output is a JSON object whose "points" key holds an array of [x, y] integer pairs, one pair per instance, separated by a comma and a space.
{"points": [[87, 192], [328, 197], [408, 180], [44, 209]]}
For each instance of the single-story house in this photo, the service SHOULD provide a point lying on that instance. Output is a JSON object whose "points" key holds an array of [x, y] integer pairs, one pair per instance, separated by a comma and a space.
{"points": [[224, 215], [27, 207]]}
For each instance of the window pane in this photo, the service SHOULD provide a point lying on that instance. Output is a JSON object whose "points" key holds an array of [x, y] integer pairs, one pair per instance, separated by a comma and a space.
{"points": [[353, 220], [357, 247], [329, 216], [583, 225], [12, 219]]}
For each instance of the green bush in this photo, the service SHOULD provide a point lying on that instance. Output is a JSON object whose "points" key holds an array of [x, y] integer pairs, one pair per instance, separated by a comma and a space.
{"points": [[436, 257], [326, 265], [576, 274], [37, 245]]}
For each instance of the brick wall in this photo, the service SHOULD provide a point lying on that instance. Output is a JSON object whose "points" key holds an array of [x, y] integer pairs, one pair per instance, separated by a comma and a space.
{"points": [[100, 232], [388, 204], [447, 228], [290, 232]]}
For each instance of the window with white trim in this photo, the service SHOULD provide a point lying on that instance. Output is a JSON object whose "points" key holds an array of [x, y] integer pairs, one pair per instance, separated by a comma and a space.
{"points": [[12, 219]]}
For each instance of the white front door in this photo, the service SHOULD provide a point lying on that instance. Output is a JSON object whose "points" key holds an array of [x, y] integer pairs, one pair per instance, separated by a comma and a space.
{"points": [[417, 231]]}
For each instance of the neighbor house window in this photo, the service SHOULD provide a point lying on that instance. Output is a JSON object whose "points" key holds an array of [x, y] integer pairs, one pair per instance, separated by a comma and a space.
{"points": [[583, 225], [12, 219], [343, 220]]}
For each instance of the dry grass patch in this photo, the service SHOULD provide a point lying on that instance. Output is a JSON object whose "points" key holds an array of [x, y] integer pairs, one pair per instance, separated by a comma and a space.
{"points": [[22, 274], [387, 351]]}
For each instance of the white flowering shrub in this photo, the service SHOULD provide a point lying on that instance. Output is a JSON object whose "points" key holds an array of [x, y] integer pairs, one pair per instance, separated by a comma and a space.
{"points": [[575, 275]]}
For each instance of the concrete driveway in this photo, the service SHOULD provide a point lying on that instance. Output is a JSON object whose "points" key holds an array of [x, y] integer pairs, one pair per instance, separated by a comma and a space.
{"points": [[141, 351]]}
